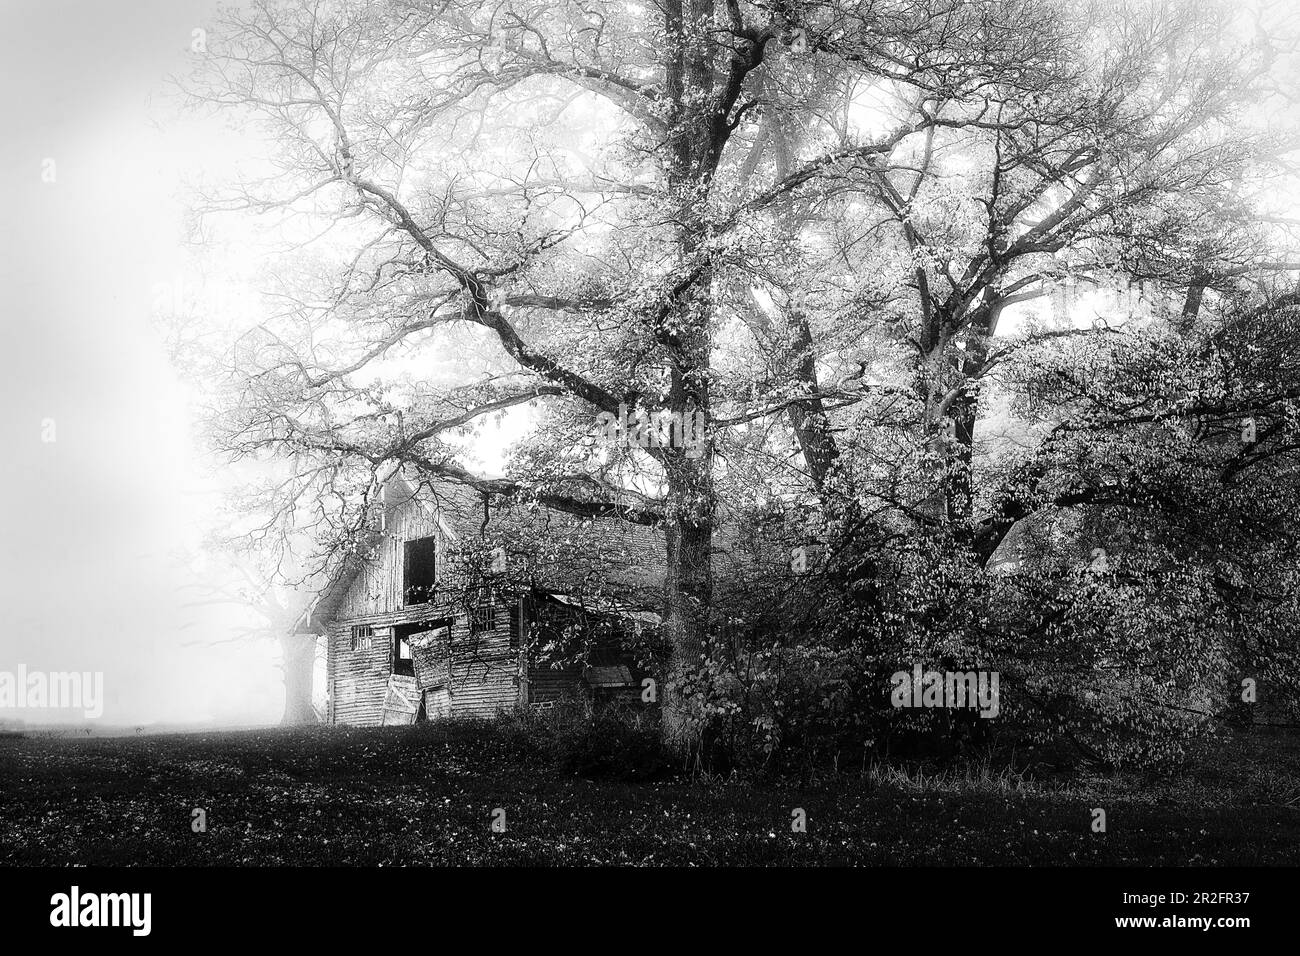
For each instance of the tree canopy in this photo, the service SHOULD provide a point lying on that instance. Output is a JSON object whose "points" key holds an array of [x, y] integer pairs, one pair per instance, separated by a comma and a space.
{"points": [[856, 241]]}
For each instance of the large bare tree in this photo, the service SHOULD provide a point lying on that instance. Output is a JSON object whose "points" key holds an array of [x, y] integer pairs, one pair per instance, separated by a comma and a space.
{"points": [[780, 219]]}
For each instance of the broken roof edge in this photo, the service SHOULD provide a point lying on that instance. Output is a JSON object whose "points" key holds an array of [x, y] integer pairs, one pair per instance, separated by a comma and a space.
{"points": [[325, 605], [611, 606], [396, 492], [318, 614]]}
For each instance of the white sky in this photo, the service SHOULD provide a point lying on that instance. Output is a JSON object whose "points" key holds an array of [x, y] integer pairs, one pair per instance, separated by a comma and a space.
{"points": [[89, 575], [92, 520]]}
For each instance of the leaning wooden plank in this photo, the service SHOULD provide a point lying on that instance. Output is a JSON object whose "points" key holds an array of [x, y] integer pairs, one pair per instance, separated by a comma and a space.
{"points": [[400, 701], [432, 660]]}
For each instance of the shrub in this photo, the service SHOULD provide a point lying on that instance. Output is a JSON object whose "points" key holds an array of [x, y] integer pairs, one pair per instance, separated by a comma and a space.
{"points": [[611, 741]]}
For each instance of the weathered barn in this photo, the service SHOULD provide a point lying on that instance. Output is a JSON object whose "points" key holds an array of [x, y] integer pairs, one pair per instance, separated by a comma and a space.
{"points": [[414, 631]]}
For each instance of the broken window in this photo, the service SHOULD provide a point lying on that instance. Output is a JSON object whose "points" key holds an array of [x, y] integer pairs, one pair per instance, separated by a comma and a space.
{"points": [[403, 663], [417, 571], [483, 619], [362, 637], [483, 615]]}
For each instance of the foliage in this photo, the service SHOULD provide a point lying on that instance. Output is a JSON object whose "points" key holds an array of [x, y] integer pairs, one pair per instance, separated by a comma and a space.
{"points": [[609, 741], [835, 251], [1152, 577]]}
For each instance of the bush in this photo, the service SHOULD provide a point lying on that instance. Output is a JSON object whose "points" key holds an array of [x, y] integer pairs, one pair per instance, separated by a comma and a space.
{"points": [[603, 741]]}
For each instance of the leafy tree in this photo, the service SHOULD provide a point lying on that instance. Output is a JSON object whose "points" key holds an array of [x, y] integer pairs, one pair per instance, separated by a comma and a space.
{"points": [[800, 223]]}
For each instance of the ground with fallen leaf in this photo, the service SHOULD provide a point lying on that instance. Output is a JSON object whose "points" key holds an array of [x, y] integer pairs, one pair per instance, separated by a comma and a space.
{"points": [[427, 795]]}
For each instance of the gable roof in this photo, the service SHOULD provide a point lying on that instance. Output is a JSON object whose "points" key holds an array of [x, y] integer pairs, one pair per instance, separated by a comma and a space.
{"points": [[630, 556], [395, 493]]}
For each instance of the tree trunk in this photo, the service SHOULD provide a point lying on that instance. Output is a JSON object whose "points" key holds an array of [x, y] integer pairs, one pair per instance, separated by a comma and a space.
{"points": [[963, 410], [808, 419], [298, 659], [687, 596], [688, 579], [957, 486]]}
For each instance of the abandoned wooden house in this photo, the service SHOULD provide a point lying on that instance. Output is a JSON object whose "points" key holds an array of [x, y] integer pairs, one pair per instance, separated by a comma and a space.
{"points": [[413, 632]]}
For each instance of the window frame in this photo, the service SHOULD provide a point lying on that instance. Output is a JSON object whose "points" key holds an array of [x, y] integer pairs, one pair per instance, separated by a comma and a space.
{"points": [[398, 666], [406, 631], [361, 638], [484, 603], [409, 546], [476, 625]]}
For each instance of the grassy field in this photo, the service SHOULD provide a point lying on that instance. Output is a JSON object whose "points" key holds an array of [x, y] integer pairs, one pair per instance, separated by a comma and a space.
{"points": [[426, 795]]}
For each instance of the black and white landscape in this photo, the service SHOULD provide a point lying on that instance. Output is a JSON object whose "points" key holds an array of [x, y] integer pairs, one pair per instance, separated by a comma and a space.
{"points": [[651, 433]]}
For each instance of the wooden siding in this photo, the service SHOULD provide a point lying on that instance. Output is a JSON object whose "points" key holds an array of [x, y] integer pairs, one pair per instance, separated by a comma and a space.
{"points": [[437, 703], [484, 672], [484, 668], [358, 679], [548, 684], [489, 672], [377, 588]]}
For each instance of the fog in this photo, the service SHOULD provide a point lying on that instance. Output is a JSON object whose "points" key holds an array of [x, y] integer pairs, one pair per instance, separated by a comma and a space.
{"points": [[96, 519]]}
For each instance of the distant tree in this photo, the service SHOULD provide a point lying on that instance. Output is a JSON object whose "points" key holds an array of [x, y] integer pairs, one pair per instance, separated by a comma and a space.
{"points": [[274, 613]]}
